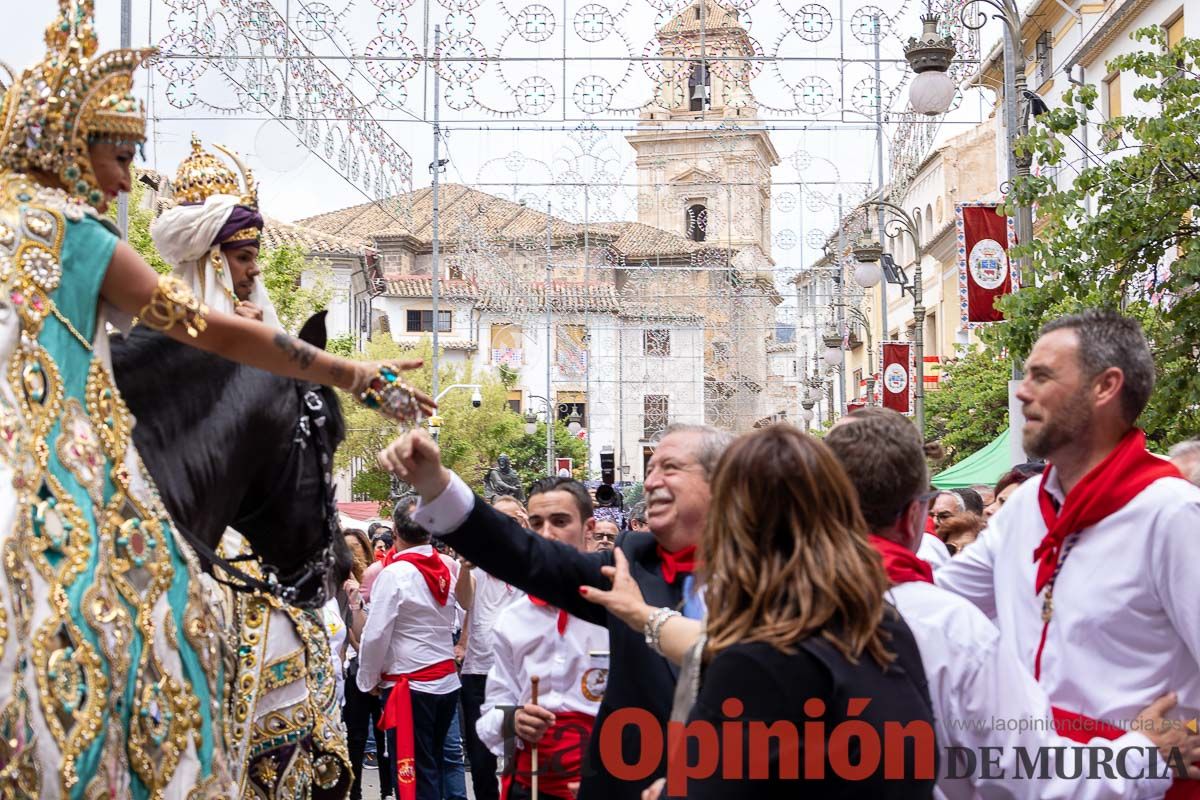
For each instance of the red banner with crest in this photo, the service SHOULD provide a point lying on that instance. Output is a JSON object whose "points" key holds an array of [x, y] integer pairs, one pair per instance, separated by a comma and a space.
{"points": [[985, 273], [897, 361]]}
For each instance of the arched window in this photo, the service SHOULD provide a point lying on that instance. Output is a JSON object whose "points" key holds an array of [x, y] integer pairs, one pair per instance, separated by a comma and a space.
{"points": [[699, 87], [696, 223]]}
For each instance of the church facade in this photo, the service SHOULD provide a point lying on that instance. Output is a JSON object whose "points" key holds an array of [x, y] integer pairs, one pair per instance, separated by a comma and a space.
{"points": [[620, 327]]}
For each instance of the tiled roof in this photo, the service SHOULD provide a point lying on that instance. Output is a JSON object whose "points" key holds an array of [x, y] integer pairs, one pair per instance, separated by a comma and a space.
{"points": [[417, 286], [467, 215], [444, 342], [565, 297], [311, 240]]}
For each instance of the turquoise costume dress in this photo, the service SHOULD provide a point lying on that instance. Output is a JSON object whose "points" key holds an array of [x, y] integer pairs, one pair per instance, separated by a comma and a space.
{"points": [[110, 663]]}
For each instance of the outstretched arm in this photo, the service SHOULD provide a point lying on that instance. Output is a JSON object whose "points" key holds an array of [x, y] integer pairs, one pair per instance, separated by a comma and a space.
{"points": [[130, 283], [547, 569]]}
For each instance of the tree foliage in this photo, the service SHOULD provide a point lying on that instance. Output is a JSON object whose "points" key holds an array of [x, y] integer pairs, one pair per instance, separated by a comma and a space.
{"points": [[471, 439], [970, 407], [298, 287], [139, 228], [1135, 249]]}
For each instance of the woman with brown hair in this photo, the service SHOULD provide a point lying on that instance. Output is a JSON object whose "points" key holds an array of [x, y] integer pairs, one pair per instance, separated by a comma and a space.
{"points": [[798, 640]]}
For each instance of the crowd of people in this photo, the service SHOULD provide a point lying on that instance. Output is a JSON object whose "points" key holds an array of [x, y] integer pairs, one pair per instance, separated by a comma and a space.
{"points": [[783, 608]]}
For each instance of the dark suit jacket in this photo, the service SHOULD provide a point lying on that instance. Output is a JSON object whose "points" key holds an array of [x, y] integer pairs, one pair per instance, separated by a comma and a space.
{"points": [[638, 678]]}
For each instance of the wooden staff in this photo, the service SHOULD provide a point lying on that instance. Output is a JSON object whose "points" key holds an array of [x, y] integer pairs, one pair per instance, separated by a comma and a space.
{"points": [[533, 782]]}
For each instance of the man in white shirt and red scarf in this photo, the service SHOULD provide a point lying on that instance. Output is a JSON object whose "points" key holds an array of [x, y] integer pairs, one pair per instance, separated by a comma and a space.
{"points": [[407, 655], [1090, 572], [532, 638], [974, 681]]}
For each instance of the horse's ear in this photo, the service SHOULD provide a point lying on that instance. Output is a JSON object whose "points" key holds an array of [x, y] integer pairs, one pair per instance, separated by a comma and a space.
{"points": [[314, 332]]}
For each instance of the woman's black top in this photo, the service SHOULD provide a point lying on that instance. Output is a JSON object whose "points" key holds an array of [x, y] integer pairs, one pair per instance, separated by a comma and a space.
{"points": [[869, 731]]}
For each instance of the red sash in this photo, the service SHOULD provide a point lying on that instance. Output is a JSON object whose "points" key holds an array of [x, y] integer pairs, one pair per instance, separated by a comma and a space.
{"points": [[680, 561], [562, 615], [1082, 729], [432, 568], [901, 564], [560, 756], [1111, 484], [397, 713]]}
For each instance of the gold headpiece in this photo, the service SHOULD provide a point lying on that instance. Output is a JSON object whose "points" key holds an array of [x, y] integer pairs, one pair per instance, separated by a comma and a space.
{"points": [[53, 109], [201, 175]]}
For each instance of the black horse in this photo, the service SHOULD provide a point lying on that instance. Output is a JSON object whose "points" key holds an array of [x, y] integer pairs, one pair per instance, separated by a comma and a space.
{"points": [[230, 445]]}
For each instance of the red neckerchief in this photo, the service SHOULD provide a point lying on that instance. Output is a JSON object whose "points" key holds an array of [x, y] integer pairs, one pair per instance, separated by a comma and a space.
{"points": [[1111, 484], [930, 526], [900, 563], [562, 615], [680, 561], [432, 569]]}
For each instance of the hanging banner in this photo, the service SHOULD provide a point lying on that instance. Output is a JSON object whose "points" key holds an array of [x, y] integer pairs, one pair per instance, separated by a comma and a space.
{"points": [[984, 271], [857, 405], [898, 388]]}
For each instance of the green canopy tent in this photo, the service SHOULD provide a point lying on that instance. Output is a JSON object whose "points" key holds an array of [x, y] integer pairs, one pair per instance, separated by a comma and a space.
{"points": [[985, 466]]}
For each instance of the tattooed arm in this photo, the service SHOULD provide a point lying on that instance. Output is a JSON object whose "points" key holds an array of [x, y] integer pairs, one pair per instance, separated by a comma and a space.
{"points": [[130, 283]]}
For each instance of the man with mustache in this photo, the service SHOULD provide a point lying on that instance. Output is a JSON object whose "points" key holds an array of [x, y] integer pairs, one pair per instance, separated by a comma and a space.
{"points": [[662, 562], [1089, 571]]}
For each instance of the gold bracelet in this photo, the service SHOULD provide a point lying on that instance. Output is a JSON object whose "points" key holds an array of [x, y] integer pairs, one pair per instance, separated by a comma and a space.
{"points": [[173, 304]]}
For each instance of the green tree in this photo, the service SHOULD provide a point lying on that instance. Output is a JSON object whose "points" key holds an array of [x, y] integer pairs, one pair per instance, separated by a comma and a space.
{"points": [[471, 439], [139, 228], [282, 270], [970, 407], [1136, 249]]}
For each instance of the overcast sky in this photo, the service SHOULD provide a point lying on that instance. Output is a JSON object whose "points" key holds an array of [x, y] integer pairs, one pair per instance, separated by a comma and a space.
{"points": [[500, 142]]}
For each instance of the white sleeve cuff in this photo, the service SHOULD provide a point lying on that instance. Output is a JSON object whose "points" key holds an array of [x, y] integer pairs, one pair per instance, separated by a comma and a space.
{"points": [[449, 510], [1149, 786]]}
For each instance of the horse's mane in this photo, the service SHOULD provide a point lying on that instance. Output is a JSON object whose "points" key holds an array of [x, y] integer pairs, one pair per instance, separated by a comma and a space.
{"points": [[190, 405]]}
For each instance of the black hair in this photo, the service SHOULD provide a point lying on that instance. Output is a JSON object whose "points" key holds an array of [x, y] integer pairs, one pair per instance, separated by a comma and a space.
{"points": [[583, 500], [403, 525]]}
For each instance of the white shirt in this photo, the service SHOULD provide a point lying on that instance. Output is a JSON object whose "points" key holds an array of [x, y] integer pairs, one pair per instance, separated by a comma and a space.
{"points": [[933, 551], [573, 673], [406, 628], [981, 693], [1125, 628], [492, 596], [336, 628]]}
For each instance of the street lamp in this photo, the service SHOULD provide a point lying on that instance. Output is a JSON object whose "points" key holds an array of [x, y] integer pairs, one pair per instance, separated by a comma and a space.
{"points": [[574, 423], [929, 55], [903, 223], [531, 422], [867, 252]]}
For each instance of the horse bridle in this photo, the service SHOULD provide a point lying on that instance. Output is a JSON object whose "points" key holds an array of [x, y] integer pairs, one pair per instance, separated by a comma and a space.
{"points": [[313, 417]]}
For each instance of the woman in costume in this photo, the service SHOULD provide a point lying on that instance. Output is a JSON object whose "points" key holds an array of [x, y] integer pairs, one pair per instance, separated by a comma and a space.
{"points": [[110, 666], [283, 672]]}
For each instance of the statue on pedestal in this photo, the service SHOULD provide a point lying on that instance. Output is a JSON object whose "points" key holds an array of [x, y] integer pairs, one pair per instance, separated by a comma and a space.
{"points": [[503, 479]]}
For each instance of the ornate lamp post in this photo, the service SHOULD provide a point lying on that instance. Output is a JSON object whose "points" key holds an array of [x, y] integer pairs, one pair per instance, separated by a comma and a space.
{"points": [[902, 222]]}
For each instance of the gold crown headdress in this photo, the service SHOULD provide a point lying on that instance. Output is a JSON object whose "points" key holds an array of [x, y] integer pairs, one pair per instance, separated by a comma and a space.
{"points": [[201, 175], [54, 109]]}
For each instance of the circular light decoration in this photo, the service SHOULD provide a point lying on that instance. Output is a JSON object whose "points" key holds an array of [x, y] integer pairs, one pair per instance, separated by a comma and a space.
{"points": [[785, 202], [814, 201], [392, 94], [801, 160], [461, 60], [813, 22], [181, 94], [259, 21], [535, 23], [863, 25], [391, 58], [865, 96], [391, 23], [593, 22], [459, 96], [593, 94], [815, 238], [535, 95], [785, 239], [814, 95], [315, 21], [514, 161], [459, 24]]}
